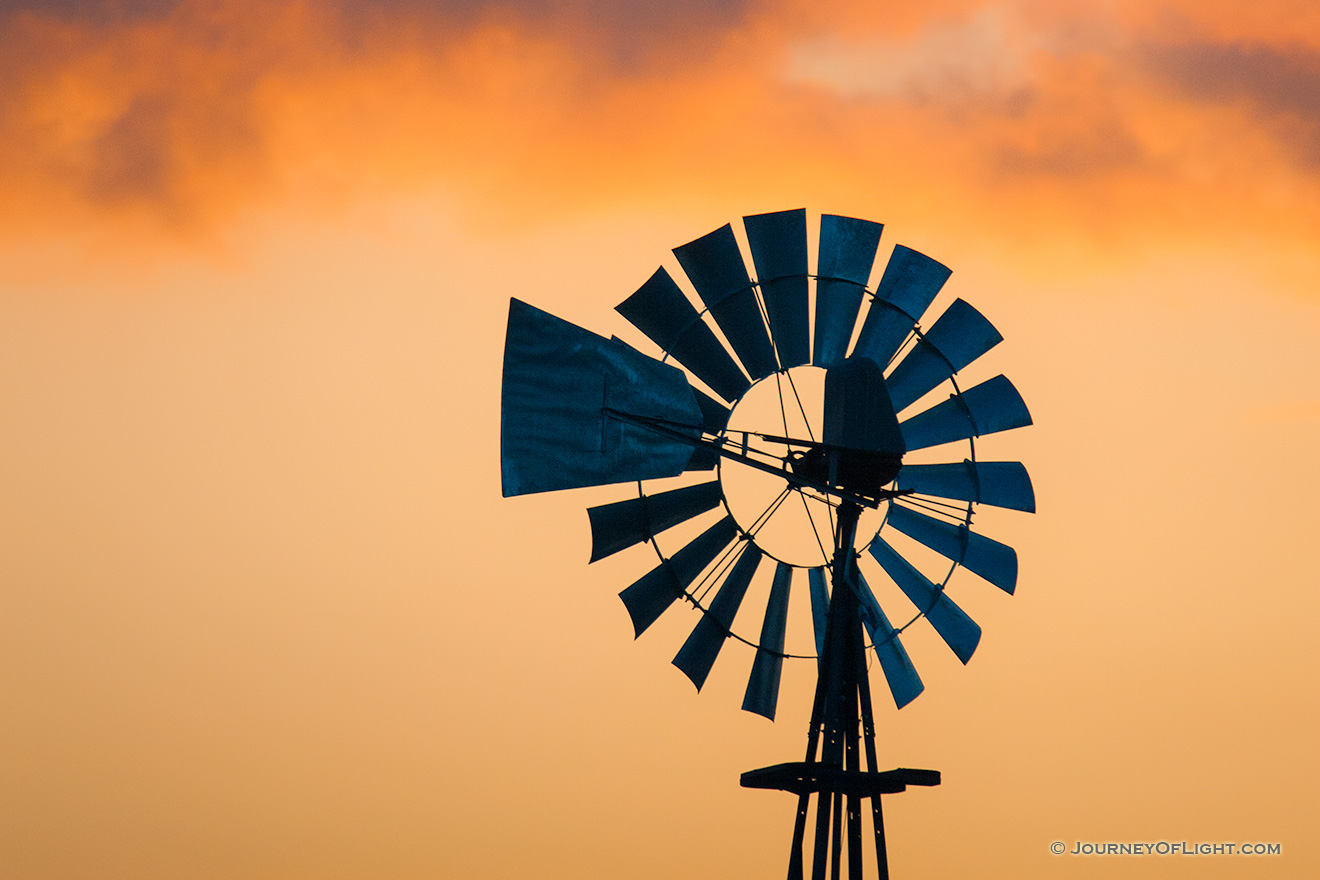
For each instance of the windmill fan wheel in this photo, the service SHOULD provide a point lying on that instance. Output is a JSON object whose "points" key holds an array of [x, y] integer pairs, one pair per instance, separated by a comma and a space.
{"points": [[817, 391]]}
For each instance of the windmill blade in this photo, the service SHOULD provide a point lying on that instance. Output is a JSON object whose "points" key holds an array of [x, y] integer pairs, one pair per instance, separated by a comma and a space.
{"points": [[703, 460], [621, 525], [714, 415], [698, 653], [716, 269], [714, 418], [779, 252], [843, 266], [820, 607], [988, 408], [762, 694], [959, 631], [661, 311], [617, 341], [900, 674], [648, 598], [960, 336], [997, 483], [996, 562], [909, 285], [559, 381]]}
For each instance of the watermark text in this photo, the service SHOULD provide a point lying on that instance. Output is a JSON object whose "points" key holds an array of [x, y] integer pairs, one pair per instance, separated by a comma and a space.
{"points": [[1163, 848]]}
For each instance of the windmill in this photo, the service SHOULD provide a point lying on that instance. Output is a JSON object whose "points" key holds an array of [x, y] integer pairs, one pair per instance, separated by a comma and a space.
{"points": [[865, 469]]}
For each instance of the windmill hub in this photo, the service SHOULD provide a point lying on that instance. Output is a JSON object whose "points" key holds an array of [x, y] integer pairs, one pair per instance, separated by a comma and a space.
{"points": [[794, 528]]}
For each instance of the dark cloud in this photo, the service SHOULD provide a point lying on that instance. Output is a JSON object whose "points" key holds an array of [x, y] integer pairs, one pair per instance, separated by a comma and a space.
{"points": [[92, 11], [163, 147], [639, 12], [181, 100], [1273, 80], [626, 34], [1280, 86], [132, 157], [620, 16]]}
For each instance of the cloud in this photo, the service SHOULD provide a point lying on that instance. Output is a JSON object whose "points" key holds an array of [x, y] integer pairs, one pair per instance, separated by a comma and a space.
{"points": [[1277, 85], [975, 59], [155, 116], [159, 120], [616, 15], [1105, 145], [188, 108], [1025, 92], [96, 11], [132, 156]]}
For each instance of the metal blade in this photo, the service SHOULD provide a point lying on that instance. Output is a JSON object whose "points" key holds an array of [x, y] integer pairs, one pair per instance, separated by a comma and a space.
{"points": [[779, 253], [988, 408], [617, 341], [820, 607], [559, 381], [959, 631], [661, 311], [648, 598], [900, 674], [714, 417], [716, 269], [996, 562], [960, 336], [620, 525], [847, 251], [698, 653], [763, 686], [997, 483], [703, 460], [909, 285]]}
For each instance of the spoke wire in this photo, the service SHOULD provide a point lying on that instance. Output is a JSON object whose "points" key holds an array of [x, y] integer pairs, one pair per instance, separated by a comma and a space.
{"points": [[815, 531], [914, 335], [930, 505], [759, 295], [783, 416], [811, 435], [951, 511], [735, 550]]}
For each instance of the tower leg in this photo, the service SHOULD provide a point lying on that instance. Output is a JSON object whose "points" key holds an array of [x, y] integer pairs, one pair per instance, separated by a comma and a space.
{"points": [[842, 726], [881, 851], [835, 714], [868, 737]]}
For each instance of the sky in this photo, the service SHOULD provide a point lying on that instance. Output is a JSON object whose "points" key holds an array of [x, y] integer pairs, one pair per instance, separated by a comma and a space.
{"points": [[263, 612]]}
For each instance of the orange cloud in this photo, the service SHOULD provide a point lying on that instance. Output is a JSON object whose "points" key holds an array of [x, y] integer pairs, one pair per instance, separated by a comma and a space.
{"points": [[1104, 124]]}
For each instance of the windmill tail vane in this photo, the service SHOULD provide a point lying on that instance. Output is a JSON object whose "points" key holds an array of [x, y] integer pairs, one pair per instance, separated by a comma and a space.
{"points": [[579, 410]]}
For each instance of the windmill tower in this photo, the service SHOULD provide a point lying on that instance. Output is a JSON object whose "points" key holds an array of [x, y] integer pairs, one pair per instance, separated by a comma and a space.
{"points": [[879, 472]]}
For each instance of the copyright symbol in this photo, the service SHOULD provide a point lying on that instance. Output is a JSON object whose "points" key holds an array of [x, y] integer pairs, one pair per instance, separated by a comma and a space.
{"points": [[1057, 847]]}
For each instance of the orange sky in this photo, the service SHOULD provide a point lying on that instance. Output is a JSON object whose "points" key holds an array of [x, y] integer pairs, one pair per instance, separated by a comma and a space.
{"points": [[1085, 120], [263, 613]]}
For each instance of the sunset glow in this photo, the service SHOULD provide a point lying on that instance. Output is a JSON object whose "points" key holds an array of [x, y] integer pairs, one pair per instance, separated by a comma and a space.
{"points": [[263, 612]]}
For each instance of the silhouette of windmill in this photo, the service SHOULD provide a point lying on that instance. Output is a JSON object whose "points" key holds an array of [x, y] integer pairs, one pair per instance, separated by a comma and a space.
{"points": [[582, 410]]}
